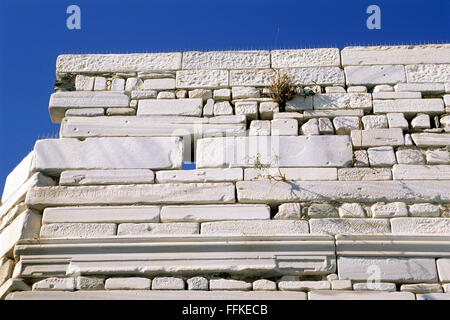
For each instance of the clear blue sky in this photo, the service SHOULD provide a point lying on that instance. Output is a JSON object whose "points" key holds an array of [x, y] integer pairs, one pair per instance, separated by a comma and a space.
{"points": [[33, 33]]}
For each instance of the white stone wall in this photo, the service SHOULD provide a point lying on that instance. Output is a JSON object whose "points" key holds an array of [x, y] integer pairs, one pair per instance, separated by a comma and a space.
{"points": [[302, 200]]}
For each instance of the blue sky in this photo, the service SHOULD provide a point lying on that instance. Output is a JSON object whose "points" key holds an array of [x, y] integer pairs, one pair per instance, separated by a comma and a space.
{"points": [[33, 33]]}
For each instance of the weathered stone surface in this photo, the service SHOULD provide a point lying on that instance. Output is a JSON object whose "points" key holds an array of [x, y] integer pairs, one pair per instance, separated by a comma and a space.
{"points": [[421, 287], [268, 109], [351, 210], [420, 225], [284, 127], [301, 151], [167, 283], [181, 93], [325, 126], [409, 106], [84, 83], [335, 89], [245, 92], [214, 213], [202, 193], [411, 270], [163, 95], [117, 84], [159, 84], [428, 73], [421, 172], [341, 285], [365, 174], [374, 122], [424, 210], [394, 209], [322, 210], [321, 57], [254, 78], [355, 191], [133, 84], [61, 101], [17, 177], [25, 226], [78, 230], [103, 153], [179, 107], [397, 95], [372, 75], [295, 174], [303, 285], [342, 101], [344, 125], [431, 139], [259, 128], [421, 121], [120, 111], [195, 79], [261, 227], [90, 283], [357, 89], [157, 126], [410, 156], [6, 269], [145, 229], [57, 284], [226, 59], [264, 285], [104, 214], [376, 286], [229, 284], [15, 285], [310, 128], [361, 158], [204, 94], [299, 103], [200, 175], [222, 94], [85, 112], [360, 295], [132, 283], [397, 120], [249, 109], [198, 283], [356, 225], [100, 84], [404, 54], [377, 137], [438, 157], [381, 156], [289, 211], [208, 108], [101, 177], [383, 88], [148, 94], [316, 75], [443, 266], [97, 63], [14, 204], [433, 296], [308, 114], [426, 88], [222, 108], [155, 295]]}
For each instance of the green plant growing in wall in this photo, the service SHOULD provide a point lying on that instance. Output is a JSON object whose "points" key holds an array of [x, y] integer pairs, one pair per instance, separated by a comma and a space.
{"points": [[264, 169], [283, 89]]}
